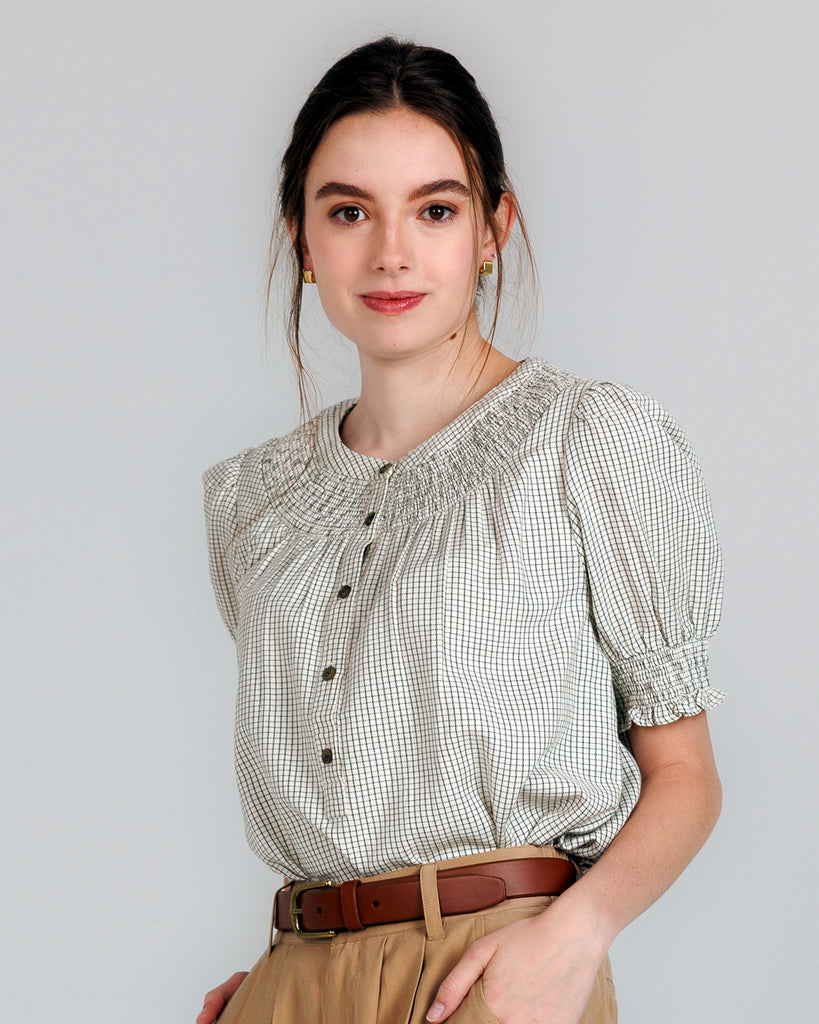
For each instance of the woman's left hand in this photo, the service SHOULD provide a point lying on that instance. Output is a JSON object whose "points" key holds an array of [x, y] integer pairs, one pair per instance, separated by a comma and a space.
{"points": [[539, 970]]}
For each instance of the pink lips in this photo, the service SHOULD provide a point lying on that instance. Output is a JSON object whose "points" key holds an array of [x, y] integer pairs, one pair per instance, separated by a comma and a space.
{"points": [[392, 302]]}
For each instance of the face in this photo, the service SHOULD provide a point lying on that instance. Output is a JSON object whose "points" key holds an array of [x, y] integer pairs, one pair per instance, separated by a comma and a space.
{"points": [[391, 234]]}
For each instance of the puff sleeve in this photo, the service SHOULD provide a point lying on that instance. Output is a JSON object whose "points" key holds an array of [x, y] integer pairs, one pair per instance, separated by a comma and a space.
{"points": [[221, 520], [641, 512]]}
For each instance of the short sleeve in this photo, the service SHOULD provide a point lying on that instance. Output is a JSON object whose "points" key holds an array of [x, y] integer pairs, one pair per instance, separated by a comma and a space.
{"points": [[221, 521], [643, 517]]}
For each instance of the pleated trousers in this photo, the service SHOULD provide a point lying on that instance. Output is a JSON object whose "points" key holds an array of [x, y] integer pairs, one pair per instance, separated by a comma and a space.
{"points": [[389, 974]]}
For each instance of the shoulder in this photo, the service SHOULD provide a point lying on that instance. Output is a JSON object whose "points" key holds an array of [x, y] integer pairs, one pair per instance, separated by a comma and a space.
{"points": [[588, 398], [561, 390], [257, 474], [599, 429], [618, 404], [569, 402], [616, 419], [222, 476]]}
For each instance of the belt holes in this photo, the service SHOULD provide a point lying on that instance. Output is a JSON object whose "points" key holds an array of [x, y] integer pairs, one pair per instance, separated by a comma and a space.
{"points": [[376, 903]]}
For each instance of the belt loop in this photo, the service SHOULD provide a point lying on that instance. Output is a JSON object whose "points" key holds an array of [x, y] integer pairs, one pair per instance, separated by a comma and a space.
{"points": [[432, 904], [349, 906]]}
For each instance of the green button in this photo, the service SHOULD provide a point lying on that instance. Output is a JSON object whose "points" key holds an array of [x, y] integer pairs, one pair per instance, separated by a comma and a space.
{"points": [[328, 673], [326, 756], [369, 518], [345, 591], [385, 467]]}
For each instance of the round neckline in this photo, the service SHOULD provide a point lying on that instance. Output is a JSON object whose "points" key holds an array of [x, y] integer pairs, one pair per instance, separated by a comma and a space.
{"points": [[316, 483], [347, 460]]}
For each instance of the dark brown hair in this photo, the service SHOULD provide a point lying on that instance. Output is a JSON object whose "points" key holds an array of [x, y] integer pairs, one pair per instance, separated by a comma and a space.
{"points": [[380, 76]]}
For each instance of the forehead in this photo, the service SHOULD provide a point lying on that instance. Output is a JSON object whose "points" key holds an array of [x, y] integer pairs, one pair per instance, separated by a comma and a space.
{"points": [[395, 148]]}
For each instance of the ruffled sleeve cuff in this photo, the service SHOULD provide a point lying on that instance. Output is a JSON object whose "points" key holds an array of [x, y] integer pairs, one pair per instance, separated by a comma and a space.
{"points": [[659, 687]]}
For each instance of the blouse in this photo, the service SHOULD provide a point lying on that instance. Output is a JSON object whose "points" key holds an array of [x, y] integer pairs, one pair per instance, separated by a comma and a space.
{"points": [[442, 655]]}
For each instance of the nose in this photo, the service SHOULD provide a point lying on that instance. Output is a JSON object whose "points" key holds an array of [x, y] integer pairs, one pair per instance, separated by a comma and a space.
{"points": [[391, 247]]}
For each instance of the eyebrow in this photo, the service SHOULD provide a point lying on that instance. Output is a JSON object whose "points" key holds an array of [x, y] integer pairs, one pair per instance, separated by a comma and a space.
{"points": [[339, 188]]}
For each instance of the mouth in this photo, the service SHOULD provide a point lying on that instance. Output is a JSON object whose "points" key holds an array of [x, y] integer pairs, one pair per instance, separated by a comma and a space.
{"points": [[392, 303]]}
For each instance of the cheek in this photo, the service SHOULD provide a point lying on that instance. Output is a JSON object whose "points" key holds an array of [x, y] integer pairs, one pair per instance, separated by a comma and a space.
{"points": [[460, 264], [338, 256], [318, 239], [462, 252]]}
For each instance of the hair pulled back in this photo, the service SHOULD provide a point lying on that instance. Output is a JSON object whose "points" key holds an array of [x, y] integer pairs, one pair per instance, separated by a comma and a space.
{"points": [[381, 76]]}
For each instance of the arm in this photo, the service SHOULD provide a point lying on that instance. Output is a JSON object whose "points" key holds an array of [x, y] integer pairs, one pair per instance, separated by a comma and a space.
{"points": [[542, 969]]}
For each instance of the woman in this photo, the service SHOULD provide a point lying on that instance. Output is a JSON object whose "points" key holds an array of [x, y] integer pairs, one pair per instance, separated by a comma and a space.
{"points": [[470, 607]]}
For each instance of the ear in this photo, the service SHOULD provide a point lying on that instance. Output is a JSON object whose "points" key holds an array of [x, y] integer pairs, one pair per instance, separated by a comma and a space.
{"points": [[293, 231], [504, 222]]}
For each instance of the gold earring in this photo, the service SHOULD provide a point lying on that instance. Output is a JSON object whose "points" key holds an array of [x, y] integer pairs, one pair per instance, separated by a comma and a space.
{"points": [[486, 267], [308, 277]]}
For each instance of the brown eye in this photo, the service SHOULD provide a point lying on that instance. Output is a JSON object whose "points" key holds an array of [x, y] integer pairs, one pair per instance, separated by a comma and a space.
{"points": [[438, 213], [351, 214]]}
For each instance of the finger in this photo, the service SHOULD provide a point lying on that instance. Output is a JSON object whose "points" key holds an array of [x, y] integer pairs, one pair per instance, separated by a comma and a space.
{"points": [[211, 1008], [230, 987], [459, 981], [216, 1000]]}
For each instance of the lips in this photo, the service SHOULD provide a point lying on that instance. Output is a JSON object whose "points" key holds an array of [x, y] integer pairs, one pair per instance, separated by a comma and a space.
{"points": [[392, 303]]}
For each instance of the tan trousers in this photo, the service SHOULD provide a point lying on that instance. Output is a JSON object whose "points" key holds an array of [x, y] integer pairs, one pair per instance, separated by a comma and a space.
{"points": [[389, 974]]}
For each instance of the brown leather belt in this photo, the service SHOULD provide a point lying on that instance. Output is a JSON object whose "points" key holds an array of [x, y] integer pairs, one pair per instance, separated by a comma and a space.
{"points": [[320, 909]]}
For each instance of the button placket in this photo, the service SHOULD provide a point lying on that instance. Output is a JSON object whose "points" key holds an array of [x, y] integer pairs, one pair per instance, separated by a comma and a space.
{"points": [[336, 637], [377, 500], [380, 490]]}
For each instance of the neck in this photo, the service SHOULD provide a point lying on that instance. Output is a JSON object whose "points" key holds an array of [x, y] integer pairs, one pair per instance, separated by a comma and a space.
{"points": [[405, 401]]}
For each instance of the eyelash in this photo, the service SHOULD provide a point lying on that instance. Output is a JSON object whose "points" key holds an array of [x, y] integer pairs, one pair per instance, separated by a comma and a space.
{"points": [[450, 214]]}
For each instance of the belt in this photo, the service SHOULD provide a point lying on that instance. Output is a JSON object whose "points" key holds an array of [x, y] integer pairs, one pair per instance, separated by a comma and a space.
{"points": [[321, 909]]}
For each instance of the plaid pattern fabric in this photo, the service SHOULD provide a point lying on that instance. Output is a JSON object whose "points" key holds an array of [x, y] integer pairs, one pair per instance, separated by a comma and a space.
{"points": [[438, 657]]}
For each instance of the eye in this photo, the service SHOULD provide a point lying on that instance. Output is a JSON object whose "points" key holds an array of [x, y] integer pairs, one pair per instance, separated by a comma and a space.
{"points": [[438, 213], [348, 214]]}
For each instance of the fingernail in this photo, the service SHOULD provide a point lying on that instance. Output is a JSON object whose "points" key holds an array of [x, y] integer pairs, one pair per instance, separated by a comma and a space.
{"points": [[435, 1011]]}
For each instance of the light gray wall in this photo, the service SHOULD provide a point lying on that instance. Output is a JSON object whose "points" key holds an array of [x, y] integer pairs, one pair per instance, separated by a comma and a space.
{"points": [[666, 154]]}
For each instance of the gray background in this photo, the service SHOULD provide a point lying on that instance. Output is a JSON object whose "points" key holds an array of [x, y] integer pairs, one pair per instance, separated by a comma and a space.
{"points": [[666, 155]]}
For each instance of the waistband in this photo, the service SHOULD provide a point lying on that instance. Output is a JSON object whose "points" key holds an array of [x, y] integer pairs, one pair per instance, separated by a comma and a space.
{"points": [[462, 885]]}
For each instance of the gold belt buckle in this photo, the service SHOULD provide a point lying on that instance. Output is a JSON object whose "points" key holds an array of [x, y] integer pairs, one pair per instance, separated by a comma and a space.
{"points": [[296, 911]]}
